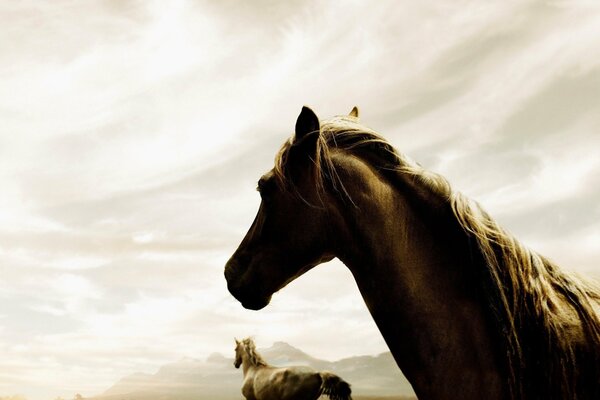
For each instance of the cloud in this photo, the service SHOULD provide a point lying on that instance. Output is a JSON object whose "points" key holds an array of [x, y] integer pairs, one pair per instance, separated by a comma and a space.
{"points": [[133, 135]]}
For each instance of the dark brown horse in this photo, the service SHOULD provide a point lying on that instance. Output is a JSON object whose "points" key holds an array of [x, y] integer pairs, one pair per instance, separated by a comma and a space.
{"points": [[467, 311]]}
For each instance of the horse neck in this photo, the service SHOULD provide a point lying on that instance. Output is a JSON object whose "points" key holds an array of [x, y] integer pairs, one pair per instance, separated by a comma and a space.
{"points": [[247, 364], [414, 272]]}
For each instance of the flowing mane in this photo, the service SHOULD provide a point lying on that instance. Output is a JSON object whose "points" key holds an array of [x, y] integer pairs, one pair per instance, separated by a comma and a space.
{"points": [[253, 356], [537, 308]]}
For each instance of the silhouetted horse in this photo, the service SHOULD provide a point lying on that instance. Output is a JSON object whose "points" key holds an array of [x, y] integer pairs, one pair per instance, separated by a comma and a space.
{"points": [[467, 310], [265, 382]]}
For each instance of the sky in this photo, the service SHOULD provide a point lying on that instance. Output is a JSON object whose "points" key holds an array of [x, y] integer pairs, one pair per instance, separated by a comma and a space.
{"points": [[132, 135]]}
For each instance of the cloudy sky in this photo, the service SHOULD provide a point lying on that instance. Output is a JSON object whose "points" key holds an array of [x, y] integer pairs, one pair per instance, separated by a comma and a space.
{"points": [[132, 136]]}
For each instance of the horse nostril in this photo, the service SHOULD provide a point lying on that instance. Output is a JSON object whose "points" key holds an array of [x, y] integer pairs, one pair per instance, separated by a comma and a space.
{"points": [[229, 272], [233, 289]]}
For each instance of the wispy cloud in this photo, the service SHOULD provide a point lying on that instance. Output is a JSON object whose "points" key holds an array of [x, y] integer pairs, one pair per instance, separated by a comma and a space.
{"points": [[132, 135]]}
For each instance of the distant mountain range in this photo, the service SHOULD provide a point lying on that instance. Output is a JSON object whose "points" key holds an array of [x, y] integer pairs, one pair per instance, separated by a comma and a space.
{"points": [[216, 378]]}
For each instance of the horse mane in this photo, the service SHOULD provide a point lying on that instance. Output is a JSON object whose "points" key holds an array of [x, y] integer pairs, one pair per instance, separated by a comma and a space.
{"points": [[538, 309], [253, 356]]}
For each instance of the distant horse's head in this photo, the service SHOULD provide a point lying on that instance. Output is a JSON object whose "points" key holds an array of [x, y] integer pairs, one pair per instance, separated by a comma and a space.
{"points": [[293, 229], [239, 348]]}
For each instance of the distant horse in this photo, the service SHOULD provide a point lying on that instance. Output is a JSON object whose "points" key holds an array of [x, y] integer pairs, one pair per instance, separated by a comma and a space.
{"points": [[265, 382], [467, 310]]}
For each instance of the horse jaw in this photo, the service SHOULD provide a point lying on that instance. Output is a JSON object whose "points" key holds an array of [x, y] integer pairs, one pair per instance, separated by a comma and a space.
{"points": [[244, 295], [255, 304]]}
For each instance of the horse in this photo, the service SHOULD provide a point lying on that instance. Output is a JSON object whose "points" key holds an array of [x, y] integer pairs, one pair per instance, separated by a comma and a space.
{"points": [[265, 382], [466, 309]]}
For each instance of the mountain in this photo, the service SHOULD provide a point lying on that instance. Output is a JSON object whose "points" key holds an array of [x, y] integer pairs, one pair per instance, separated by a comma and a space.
{"points": [[216, 379]]}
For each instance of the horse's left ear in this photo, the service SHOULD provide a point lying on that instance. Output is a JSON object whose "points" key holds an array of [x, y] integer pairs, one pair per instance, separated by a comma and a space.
{"points": [[308, 128], [236, 341], [354, 112]]}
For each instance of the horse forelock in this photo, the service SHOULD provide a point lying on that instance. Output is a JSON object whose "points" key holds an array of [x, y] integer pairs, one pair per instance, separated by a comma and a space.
{"points": [[530, 298], [346, 134]]}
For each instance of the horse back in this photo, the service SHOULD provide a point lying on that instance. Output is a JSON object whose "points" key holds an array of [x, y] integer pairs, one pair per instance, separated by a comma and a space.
{"points": [[291, 383]]}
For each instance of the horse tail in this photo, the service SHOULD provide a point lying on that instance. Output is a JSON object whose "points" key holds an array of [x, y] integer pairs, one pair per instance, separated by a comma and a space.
{"points": [[335, 387]]}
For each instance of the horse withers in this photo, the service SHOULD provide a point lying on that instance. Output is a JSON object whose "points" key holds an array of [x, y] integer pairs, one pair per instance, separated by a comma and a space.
{"points": [[265, 382]]}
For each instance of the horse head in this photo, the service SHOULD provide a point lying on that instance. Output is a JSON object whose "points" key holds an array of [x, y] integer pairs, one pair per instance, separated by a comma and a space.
{"points": [[238, 354], [293, 229]]}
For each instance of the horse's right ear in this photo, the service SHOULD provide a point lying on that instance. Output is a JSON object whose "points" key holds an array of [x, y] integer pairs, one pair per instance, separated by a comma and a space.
{"points": [[308, 128], [236, 341]]}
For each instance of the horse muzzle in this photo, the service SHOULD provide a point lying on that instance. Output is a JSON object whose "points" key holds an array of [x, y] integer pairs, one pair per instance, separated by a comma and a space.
{"points": [[249, 300], [249, 295]]}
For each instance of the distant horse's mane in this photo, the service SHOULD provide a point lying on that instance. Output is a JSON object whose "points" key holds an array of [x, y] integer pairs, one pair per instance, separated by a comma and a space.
{"points": [[253, 356], [535, 305]]}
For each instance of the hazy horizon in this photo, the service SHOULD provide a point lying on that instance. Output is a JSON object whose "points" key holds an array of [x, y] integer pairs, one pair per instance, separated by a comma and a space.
{"points": [[132, 136]]}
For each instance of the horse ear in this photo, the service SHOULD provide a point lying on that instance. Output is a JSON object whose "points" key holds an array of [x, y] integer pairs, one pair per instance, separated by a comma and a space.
{"points": [[236, 341], [354, 112], [308, 127]]}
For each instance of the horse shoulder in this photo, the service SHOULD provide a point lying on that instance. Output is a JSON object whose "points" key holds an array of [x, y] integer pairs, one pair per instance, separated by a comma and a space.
{"points": [[248, 387], [263, 383]]}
